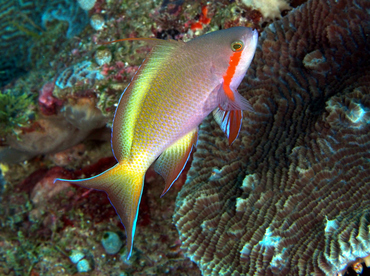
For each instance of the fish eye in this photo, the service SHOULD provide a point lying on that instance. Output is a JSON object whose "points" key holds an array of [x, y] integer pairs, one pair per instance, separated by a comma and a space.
{"points": [[237, 46]]}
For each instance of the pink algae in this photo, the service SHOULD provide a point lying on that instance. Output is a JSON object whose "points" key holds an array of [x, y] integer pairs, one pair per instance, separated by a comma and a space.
{"points": [[48, 104]]}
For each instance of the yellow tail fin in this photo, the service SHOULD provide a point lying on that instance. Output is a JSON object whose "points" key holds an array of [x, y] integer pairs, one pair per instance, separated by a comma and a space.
{"points": [[124, 188]]}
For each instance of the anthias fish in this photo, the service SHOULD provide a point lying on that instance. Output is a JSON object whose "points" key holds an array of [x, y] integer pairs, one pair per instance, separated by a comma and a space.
{"points": [[158, 114]]}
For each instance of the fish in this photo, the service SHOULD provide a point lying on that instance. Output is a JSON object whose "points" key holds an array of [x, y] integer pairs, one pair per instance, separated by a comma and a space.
{"points": [[157, 118]]}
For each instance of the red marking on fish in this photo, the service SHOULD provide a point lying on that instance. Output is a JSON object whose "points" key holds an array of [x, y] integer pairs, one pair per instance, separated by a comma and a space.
{"points": [[234, 61]]}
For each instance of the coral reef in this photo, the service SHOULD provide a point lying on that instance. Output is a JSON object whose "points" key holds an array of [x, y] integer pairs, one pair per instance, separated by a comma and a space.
{"points": [[27, 25], [291, 195], [86, 4], [63, 99], [78, 257], [270, 9], [79, 88], [77, 72], [15, 110], [50, 232], [111, 242], [64, 114], [68, 92], [97, 22], [68, 11], [54, 133]]}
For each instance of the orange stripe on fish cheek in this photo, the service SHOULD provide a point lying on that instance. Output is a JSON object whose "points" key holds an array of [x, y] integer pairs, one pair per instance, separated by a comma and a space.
{"points": [[234, 61]]}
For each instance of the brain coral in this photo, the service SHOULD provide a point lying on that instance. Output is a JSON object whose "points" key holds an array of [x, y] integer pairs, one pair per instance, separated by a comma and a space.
{"points": [[291, 196]]}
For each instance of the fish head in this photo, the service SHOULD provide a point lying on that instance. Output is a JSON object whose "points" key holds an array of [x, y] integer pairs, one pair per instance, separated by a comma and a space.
{"points": [[230, 51], [242, 47]]}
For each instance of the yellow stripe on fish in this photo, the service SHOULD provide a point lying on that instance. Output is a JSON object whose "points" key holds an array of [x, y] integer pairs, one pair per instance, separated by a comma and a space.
{"points": [[158, 114]]}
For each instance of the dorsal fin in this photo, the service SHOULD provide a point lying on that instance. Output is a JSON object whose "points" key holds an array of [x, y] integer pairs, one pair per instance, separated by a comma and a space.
{"points": [[150, 40]]}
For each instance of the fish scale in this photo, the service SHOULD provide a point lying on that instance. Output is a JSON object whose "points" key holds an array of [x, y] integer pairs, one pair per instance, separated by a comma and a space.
{"points": [[158, 108], [157, 118]]}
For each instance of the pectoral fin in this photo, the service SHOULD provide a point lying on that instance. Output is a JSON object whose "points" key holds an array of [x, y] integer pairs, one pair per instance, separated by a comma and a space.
{"points": [[230, 99], [230, 122], [229, 112], [173, 160]]}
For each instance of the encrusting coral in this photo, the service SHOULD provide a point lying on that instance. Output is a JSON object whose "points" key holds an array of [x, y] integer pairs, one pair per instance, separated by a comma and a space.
{"points": [[291, 196]]}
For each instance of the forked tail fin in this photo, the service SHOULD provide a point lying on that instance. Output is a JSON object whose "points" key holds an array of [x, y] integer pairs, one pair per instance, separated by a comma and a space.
{"points": [[124, 188]]}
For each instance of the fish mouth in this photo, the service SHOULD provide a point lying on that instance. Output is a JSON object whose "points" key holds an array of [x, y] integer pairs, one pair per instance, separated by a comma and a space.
{"points": [[250, 38]]}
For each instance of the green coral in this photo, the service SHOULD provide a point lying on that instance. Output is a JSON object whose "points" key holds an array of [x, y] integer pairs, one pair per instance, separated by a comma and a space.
{"points": [[16, 110]]}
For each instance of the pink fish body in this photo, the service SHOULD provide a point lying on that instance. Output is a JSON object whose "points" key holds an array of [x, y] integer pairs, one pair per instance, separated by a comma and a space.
{"points": [[158, 115]]}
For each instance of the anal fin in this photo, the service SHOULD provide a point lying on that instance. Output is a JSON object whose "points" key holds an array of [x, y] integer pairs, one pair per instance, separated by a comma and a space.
{"points": [[173, 160]]}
